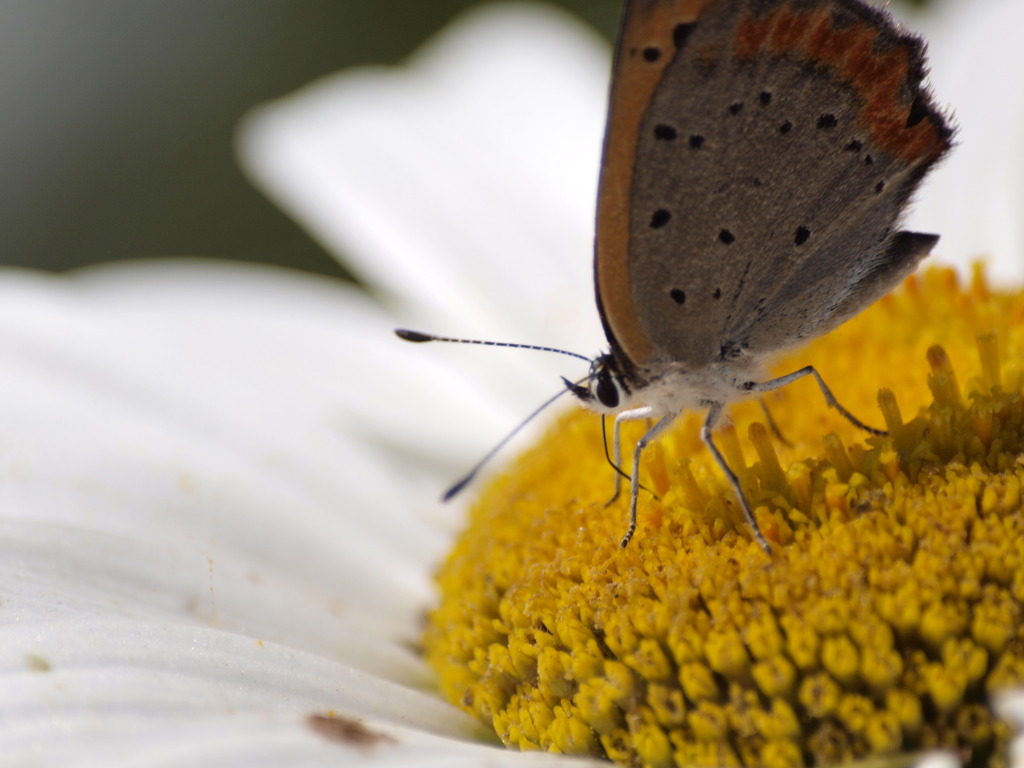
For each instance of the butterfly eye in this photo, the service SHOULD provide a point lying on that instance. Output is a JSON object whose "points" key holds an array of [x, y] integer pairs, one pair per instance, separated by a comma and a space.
{"points": [[606, 391]]}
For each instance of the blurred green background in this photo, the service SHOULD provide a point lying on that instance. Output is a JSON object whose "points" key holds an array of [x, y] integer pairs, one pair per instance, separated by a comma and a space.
{"points": [[119, 117]]}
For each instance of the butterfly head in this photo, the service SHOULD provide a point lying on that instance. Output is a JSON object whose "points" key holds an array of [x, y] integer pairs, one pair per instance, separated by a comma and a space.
{"points": [[606, 389]]}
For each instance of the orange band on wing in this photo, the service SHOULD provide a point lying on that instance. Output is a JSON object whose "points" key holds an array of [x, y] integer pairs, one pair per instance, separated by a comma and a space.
{"points": [[879, 78], [646, 47]]}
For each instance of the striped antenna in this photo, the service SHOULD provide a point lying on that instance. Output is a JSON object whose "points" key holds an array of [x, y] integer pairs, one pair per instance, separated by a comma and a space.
{"points": [[417, 337]]}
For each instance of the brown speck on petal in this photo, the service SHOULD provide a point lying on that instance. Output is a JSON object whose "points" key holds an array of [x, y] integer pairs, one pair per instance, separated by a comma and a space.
{"points": [[37, 663], [349, 731]]}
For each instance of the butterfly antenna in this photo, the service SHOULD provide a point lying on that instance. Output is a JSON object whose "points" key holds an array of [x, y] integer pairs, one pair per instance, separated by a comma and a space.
{"points": [[468, 477], [418, 337]]}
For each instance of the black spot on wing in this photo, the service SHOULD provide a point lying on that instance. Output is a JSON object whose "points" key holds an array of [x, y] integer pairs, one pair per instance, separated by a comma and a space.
{"points": [[682, 33], [664, 132]]}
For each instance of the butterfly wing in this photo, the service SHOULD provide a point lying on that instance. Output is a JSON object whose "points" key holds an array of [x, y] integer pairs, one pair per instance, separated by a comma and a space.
{"points": [[758, 157]]}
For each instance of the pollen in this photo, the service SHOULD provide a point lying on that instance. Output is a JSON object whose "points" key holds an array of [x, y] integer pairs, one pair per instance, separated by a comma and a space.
{"points": [[884, 622]]}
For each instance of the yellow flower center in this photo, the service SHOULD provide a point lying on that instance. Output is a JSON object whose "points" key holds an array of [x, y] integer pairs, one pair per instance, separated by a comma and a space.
{"points": [[888, 614]]}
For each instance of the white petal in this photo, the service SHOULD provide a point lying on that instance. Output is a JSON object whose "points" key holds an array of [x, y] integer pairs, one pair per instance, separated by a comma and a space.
{"points": [[185, 529], [101, 666], [166, 718], [975, 197], [224, 739], [464, 183], [463, 186], [185, 581], [938, 759]]}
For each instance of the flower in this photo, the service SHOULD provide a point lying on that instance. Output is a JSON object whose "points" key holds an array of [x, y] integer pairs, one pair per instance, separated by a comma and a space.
{"points": [[216, 535]]}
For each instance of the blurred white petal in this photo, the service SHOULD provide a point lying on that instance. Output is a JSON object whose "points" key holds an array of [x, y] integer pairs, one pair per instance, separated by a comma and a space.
{"points": [[462, 186], [974, 199], [454, 185], [190, 539]]}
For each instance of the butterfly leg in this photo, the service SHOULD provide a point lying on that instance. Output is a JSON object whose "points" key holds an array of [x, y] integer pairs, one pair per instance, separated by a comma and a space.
{"points": [[632, 415], [634, 481], [771, 423], [830, 399], [714, 413]]}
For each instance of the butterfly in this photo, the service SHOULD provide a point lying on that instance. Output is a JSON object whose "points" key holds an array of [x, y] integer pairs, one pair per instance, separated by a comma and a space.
{"points": [[757, 159]]}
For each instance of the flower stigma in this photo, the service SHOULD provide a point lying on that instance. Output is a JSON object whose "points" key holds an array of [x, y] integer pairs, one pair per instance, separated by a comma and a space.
{"points": [[881, 625]]}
